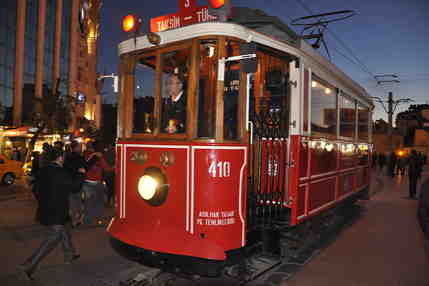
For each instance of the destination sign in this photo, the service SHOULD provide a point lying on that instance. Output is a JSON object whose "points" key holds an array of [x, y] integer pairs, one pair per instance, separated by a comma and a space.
{"points": [[183, 18]]}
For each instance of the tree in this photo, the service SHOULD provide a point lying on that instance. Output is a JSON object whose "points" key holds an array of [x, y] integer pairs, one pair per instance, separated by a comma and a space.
{"points": [[52, 112]]}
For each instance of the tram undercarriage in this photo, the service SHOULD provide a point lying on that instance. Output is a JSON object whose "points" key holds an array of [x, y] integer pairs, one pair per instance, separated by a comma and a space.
{"points": [[267, 246]]}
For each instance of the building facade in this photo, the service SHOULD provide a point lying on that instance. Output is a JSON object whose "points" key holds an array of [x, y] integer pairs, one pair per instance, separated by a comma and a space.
{"points": [[44, 43]]}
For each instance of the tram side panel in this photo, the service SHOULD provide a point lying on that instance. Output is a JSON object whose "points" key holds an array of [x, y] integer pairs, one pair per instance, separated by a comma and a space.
{"points": [[328, 173]]}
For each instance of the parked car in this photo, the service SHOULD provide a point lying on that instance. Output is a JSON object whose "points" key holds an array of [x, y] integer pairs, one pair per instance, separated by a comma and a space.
{"points": [[10, 170]]}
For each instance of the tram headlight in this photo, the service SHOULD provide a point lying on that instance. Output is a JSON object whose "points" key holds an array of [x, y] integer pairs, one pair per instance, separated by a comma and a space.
{"points": [[153, 187], [147, 187]]}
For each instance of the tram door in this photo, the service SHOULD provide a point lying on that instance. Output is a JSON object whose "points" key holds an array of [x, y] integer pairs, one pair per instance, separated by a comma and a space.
{"points": [[269, 115]]}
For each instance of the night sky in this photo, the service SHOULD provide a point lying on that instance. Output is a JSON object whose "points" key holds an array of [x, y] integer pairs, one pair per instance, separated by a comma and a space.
{"points": [[384, 37]]}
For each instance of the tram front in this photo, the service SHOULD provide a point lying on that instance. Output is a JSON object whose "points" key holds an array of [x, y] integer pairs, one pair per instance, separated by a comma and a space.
{"points": [[181, 171]]}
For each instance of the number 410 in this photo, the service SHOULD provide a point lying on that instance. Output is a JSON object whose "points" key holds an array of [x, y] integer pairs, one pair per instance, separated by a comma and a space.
{"points": [[220, 169]]}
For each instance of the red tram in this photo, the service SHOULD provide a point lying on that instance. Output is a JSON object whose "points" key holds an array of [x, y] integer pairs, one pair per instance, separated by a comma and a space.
{"points": [[266, 135]]}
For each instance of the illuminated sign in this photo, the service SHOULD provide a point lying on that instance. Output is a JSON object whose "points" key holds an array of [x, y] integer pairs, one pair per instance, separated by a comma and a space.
{"points": [[177, 20], [188, 14]]}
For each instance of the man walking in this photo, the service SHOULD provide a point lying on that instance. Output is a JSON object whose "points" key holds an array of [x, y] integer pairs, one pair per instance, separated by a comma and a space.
{"points": [[74, 161], [54, 186]]}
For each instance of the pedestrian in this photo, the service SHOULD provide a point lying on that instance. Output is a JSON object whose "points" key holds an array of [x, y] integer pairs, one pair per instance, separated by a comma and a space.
{"points": [[423, 211], [392, 164], [35, 163], [109, 177], [54, 187], [413, 172], [420, 164], [35, 168], [59, 145], [44, 156], [374, 160], [74, 161], [381, 161], [93, 187], [402, 162]]}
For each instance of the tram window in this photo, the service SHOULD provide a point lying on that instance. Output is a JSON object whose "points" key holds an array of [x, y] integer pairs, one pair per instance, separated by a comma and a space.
{"points": [[323, 109], [207, 89], [347, 116], [363, 122], [174, 77], [144, 94]]}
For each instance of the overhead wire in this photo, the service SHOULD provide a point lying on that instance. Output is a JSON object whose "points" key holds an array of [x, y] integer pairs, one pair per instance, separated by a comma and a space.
{"points": [[356, 60]]}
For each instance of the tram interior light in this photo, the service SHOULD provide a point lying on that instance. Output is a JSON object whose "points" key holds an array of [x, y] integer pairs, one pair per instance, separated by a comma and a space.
{"points": [[329, 147], [313, 84], [328, 91]]}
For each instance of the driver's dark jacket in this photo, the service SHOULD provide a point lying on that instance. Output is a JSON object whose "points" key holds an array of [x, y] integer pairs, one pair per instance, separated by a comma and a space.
{"points": [[175, 110], [54, 185]]}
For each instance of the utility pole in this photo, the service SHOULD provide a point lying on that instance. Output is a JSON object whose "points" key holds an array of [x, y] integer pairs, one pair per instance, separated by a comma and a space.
{"points": [[390, 114], [390, 110]]}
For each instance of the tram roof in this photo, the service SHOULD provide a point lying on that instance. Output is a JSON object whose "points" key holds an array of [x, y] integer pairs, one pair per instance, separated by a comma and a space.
{"points": [[300, 48]]}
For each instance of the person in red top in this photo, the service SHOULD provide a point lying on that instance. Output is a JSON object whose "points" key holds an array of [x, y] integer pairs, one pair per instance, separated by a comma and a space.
{"points": [[93, 187]]}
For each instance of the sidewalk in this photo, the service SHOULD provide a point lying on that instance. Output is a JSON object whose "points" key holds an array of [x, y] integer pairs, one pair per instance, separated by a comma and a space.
{"points": [[20, 236], [384, 247]]}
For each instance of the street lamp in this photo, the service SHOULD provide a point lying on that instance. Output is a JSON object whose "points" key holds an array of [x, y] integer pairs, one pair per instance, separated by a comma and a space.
{"points": [[115, 81]]}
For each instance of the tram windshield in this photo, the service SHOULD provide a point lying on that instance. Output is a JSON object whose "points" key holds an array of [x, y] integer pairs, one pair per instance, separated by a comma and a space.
{"points": [[144, 95], [179, 93]]}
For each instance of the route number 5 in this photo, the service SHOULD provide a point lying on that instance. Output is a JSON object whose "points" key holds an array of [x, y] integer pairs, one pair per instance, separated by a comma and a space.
{"points": [[220, 169]]}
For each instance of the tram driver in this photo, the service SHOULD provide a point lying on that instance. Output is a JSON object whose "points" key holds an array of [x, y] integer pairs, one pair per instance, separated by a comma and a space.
{"points": [[174, 108]]}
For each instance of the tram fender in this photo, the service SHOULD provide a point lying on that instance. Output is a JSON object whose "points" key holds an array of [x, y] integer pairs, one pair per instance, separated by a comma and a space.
{"points": [[166, 240]]}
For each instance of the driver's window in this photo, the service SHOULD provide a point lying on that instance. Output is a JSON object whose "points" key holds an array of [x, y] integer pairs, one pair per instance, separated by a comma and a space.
{"points": [[174, 77], [1, 161]]}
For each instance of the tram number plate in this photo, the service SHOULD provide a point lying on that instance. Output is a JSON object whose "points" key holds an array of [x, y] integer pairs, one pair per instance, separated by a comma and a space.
{"points": [[220, 169]]}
